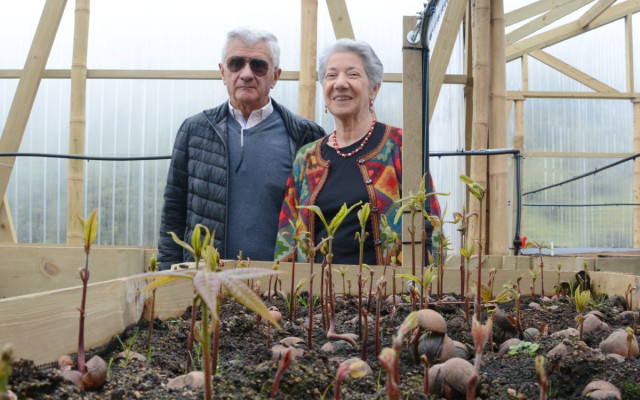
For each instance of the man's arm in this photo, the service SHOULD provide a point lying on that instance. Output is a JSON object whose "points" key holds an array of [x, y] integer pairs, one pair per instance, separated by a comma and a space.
{"points": [[174, 210]]}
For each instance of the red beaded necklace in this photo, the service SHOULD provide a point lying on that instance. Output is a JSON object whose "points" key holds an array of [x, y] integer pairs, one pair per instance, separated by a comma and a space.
{"points": [[366, 139]]}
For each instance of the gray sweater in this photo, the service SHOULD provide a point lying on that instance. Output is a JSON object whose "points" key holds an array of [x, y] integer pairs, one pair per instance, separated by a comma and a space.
{"points": [[198, 176]]}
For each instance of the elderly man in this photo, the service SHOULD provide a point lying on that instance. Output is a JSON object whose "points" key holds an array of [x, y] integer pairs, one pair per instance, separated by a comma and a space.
{"points": [[230, 164]]}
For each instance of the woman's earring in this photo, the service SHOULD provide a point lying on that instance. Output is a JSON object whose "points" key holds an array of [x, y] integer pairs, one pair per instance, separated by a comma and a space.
{"points": [[371, 105], [325, 109]]}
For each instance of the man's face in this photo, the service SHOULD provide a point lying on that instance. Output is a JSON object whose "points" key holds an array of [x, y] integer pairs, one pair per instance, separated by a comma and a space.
{"points": [[247, 90]]}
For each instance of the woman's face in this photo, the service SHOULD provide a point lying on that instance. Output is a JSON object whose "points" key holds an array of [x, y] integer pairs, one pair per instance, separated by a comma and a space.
{"points": [[346, 86]]}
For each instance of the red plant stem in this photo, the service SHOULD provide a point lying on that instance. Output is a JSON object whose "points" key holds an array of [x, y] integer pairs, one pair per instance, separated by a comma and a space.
{"points": [[369, 297], [310, 330], [396, 366], [542, 278], [479, 297], [192, 327], [152, 317], [293, 278], [337, 390], [462, 274], [422, 267], [393, 281], [84, 276], [425, 386], [284, 363], [365, 339], [322, 300], [206, 349], [216, 338], [416, 340], [360, 301], [377, 326], [269, 287]]}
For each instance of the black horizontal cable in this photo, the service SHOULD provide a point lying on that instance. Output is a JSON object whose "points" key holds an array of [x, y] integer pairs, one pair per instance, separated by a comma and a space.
{"points": [[84, 157], [595, 171], [581, 205]]}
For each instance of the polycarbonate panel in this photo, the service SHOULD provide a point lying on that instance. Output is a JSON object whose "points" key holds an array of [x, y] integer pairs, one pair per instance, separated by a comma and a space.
{"points": [[583, 213], [37, 187], [579, 125]]}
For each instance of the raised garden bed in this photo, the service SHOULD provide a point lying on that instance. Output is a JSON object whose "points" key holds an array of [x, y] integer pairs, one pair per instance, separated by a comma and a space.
{"points": [[43, 326]]}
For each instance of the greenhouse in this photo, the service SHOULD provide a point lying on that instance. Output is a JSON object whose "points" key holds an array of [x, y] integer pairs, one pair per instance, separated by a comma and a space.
{"points": [[474, 144]]}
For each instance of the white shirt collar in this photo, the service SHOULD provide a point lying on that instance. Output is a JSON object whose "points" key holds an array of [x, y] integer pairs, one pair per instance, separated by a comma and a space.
{"points": [[255, 117]]}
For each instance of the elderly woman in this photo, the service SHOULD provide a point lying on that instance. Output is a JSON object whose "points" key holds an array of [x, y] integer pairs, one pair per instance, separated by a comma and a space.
{"points": [[360, 161]]}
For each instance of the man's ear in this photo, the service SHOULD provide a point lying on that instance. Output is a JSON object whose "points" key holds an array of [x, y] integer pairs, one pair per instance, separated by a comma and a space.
{"points": [[276, 76]]}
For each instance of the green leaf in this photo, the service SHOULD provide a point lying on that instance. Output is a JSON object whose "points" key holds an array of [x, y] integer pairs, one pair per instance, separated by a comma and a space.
{"points": [[90, 230], [410, 277], [318, 212], [207, 285], [340, 216], [363, 214], [182, 244]]}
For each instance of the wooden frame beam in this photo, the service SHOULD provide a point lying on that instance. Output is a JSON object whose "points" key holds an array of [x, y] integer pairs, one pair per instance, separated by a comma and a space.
{"points": [[531, 10], [7, 230], [308, 51], [453, 17], [514, 95], [28, 86], [570, 30], [571, 72], [340, 19], [544, 20], [594, 12]]}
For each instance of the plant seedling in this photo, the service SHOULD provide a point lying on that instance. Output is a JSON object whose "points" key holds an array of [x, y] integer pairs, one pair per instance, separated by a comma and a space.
{"points": [[127, 347], [342, 271], [209, 285], [524, 347], [90, 234], [481, 334], [390, 357], [478, 192], [582, 300], [630, 335], [331, 229], [541, 377], [284, 363], [355, 370], [539, 246], [363, 217], [6, 355], [195, 249], [153, 267], [428, 277]]}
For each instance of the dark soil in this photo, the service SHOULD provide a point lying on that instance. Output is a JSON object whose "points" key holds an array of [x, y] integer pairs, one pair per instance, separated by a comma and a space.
{"points": [[246, 371]]}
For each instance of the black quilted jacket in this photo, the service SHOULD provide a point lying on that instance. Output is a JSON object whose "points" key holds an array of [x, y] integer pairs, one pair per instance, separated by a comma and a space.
{"points": [[196, 190]]}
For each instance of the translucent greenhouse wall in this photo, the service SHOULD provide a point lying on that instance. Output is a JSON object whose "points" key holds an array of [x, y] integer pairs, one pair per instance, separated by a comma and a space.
{"points": [[141, 117]]}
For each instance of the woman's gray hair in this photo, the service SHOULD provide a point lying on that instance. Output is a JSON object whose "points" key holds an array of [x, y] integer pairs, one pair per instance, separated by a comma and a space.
{"points": [[251, 37], [370, 61]]}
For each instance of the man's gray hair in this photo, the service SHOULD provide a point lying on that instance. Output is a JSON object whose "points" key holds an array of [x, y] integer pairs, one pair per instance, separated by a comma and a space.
{"points": [[251, 37], [372, 64]]}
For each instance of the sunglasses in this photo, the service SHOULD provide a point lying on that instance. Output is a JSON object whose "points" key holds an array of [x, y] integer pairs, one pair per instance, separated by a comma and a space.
{"points": [[258, 67]]}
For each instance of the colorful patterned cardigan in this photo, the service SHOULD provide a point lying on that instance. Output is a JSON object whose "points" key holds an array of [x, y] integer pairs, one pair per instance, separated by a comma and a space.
{"points": [[381, 171]]}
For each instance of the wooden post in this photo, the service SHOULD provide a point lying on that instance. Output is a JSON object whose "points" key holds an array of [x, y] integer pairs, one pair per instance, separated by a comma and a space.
{"points": [[468, 91], [411, 133], [480, 20], [518, 144], [28, 87], [498, 204], [7, 230], [629, 52], [77, 123], [308, 51], [636, 173]]}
